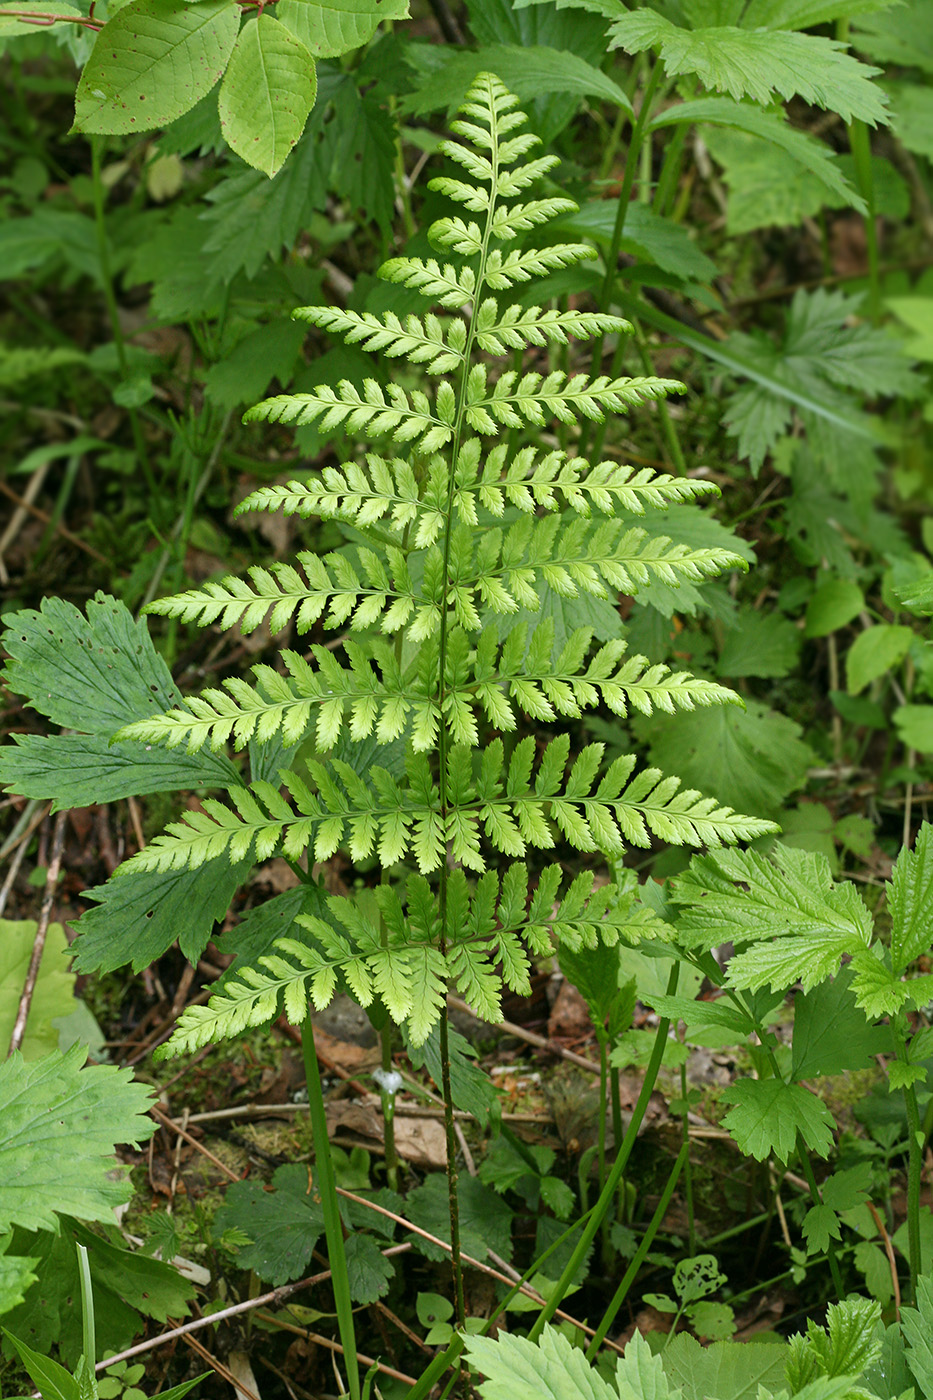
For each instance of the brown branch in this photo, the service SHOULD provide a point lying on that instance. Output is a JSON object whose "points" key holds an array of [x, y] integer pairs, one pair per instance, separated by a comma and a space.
{"points": [[44, 21], [44, 516], [889, 1251], [38, 947]]}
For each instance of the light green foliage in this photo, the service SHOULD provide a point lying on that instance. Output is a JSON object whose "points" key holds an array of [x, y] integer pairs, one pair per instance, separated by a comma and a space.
{"points": [[267, 93], [917, 1325], [54, 993], [758, 64], [329, 28], [727, 1370], [155, 59], [423, 573], [850, 1344], [58, 1127]]}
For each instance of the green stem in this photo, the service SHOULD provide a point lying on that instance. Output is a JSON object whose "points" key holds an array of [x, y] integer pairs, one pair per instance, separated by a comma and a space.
{"points": [[113, 312], [915, 1141], [89, 1330], [603, 1108], [860, 144], [628, 1278], [333, 1225], [388, 1107], [604, 1202], [688, 1171], [818, 1201], [452, 1175]]}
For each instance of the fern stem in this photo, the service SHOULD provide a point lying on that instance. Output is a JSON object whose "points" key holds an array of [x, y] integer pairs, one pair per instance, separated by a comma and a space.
{"points": [[113, 312], [333, 1225], [604, 1202], [443, 741]]}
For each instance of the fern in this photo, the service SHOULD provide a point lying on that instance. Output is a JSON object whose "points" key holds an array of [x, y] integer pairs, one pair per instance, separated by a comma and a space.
{"points": [[453, 535]]}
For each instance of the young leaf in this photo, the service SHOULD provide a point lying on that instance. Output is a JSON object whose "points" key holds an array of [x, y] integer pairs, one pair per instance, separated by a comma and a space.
{"points": [[910, 893], [267, 93], [153, 61], [876, 650], [284, 1224]]}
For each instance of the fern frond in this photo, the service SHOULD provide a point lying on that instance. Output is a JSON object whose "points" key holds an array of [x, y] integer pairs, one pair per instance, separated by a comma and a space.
{"points": [[377, 410], [504, 270], [531, 398], [445, 285], [515, 327], [332, 590], [422, 341], [485, 798]]}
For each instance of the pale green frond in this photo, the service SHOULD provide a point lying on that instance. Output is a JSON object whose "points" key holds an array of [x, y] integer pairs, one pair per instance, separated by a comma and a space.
{"points": [[359, 700], [333, 589], [447, 285], [512, 329], [374, 412], [504, 270], [511, 220], [532, 398], [424, 341], [473, 197]]}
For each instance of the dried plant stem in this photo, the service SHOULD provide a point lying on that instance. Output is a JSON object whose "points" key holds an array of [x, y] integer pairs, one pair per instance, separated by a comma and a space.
{"points": [[38, 947]]}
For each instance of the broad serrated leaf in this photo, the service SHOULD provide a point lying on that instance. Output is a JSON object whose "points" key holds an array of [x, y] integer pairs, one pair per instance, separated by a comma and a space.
{"points": [[59, 1125], [767, 1114], [152, 62], [831, 1034], [910, 900], [731, 1370], [646, 234], [751, 759], [485, 1219], [752, 63], [284, 1224], [127, 1286], [549, 1369], [135, 918], [760, 644], [93, 674], [369, 1271], [529, 72], [267, 93]]}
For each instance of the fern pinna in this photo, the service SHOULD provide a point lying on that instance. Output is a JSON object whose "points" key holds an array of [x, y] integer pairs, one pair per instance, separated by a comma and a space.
{"points": [[451, 541]]}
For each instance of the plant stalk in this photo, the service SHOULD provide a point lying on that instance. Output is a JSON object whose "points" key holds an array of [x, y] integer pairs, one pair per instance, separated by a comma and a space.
{"points": [[333, 1225], [604, 1202]]}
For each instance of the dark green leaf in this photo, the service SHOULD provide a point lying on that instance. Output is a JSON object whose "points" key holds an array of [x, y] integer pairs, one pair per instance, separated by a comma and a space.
{"points": [[831, 1034], [485, 1219], [136, 917], [284, 1224], [760, 644], [767, 1114], [369, 1270]]}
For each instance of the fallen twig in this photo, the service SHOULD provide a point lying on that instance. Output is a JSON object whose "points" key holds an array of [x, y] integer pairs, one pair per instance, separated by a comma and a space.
{"points": [[38, 947]]}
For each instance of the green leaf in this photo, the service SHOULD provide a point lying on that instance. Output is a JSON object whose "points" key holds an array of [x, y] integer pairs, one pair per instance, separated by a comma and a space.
{"points": [[364, 153], [760, 644], [835, 603], [94, 675], [728, 1370], [901, 35], [644, 233], [767, 1115], [831, 1034], [756, 64], [59, 1124], [54, 990], [369, 1270], [266, 353], [135, 918], [750, 759], [875, 651], [912, 116], [914, 724], [153, 61], [16, 1274], [549, 1369], [127, 1286], [330, 28], [267, 93], [52, 1380], [471, 1088], [530, 72], [917, 1326], [284, 1224], [485, 1219], [910, 900]]}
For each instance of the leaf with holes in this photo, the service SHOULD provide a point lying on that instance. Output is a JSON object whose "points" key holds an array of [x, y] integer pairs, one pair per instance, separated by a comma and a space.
{"points": [[152, 62], [267, 93]]}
